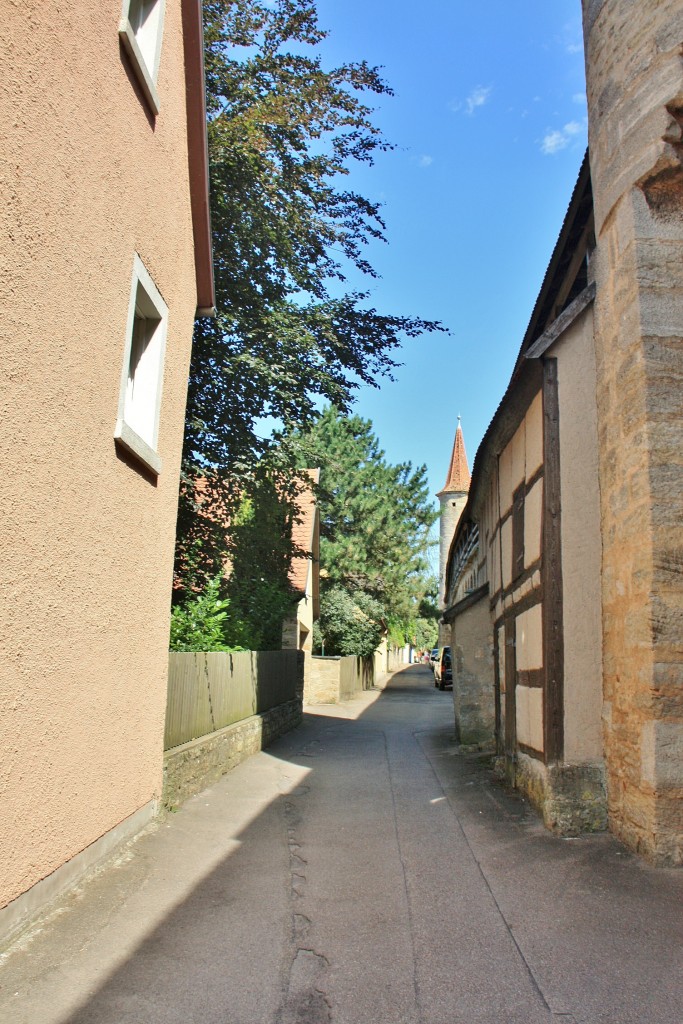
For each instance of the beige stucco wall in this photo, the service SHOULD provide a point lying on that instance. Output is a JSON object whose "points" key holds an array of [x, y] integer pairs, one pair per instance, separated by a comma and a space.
{"points": [[87, 540], [581, 543]]}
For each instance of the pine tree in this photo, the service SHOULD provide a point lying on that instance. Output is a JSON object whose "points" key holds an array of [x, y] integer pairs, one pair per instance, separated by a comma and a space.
{"points": [[283, 131]]}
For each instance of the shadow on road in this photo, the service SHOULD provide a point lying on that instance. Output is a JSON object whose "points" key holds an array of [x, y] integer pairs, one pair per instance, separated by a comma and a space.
{"points": [[247, 943]]}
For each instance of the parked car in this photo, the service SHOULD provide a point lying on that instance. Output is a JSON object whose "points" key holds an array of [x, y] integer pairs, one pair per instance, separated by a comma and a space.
{"points": [[433, 657], [443, 670]]}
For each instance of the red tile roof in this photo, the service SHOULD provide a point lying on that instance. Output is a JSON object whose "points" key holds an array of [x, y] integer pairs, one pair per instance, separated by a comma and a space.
{"points": [[458, 478], [303, 533]]}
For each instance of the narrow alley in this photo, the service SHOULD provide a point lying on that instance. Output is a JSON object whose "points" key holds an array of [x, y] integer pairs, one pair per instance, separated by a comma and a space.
{"points": [[360, 871]]}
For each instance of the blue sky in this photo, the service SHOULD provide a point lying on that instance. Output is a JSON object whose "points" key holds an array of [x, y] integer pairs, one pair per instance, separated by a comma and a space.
{"points": [[489, 121]]}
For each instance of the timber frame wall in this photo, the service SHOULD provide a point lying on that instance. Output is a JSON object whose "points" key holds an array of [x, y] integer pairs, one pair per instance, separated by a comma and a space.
{"points": [[541, 442]]}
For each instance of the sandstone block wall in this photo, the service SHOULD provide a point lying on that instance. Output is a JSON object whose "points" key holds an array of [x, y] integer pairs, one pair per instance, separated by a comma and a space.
{"points": [[635, 102], [333, 679], [571, 798]]}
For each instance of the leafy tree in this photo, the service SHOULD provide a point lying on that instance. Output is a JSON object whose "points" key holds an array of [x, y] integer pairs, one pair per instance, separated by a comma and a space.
{"points": [[350, 624], [251, 556], [374, 516], [424, 633], [198, 622], [257, 587], [283, 132]]}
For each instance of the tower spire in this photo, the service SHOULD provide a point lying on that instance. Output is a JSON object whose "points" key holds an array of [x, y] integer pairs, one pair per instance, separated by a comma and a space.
{"points": [[458, 478]]}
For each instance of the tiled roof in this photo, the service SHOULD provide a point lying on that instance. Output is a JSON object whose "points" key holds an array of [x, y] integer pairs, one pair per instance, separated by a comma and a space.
{"points": [[303, 533], [458, 478]]}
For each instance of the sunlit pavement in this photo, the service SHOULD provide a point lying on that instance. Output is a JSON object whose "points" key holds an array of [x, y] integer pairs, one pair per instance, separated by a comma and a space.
{"points": [[362, 870]]}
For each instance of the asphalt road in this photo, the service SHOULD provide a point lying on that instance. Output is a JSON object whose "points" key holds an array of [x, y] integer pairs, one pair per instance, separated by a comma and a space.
{"points": [[361, 871]]}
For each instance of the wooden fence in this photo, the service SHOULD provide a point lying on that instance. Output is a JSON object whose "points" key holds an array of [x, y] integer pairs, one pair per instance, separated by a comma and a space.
{"points": [[207, 692]]}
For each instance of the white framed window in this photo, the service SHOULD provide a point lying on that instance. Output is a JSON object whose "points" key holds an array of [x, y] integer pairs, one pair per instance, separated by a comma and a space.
{"points": [[140, 31], [137, 424]]}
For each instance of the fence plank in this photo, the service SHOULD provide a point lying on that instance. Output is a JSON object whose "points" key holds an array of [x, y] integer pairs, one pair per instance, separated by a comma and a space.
{"points": [[207, 692]]}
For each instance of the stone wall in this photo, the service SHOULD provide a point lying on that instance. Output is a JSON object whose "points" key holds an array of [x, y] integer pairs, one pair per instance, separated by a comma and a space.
{"points": [[193, 766], [473, 674], [571, 798], [333, 679], [635, 102]]}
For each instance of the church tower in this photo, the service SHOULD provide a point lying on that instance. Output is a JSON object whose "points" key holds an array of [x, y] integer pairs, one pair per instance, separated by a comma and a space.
{"points": [[452, 499]]}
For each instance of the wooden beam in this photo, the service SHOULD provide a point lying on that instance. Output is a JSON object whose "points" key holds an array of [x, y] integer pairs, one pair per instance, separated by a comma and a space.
{"points": [[553, 630]]}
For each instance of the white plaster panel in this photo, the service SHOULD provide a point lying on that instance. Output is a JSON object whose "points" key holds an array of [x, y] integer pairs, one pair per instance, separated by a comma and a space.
{"points": [[506, 552], [529, 716], [505, 479], [494, 563], [517, 446], [501, 657], [534, 436], [581, 542], [530, 639], [533, 522]]}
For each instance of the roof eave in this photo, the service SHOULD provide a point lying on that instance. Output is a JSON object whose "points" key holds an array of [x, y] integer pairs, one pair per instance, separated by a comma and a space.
{"points": [[198, 155], [523, 369]]}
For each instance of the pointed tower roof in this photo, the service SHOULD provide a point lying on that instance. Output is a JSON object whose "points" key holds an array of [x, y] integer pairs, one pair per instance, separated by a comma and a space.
{"points": [[458, 478]]}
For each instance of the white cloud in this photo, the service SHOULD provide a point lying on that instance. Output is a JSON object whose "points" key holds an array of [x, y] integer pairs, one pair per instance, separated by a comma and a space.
{"points": [[557, 139], [579, 97], [477, 98], [425, 160], [572, 36], [553, 142]]}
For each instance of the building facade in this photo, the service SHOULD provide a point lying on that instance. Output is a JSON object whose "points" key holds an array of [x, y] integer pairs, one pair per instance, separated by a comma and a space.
{"points": [[524, 572], [574, 515], [107, 265], [634, 79]]}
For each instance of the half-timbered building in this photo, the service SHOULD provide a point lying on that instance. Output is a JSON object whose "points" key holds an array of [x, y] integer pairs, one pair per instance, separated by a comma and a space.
{"points": [[523, 576]]}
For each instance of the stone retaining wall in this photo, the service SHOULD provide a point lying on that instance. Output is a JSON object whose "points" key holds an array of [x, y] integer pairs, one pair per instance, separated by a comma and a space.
{"points": [[571, 798], [193, 766]]}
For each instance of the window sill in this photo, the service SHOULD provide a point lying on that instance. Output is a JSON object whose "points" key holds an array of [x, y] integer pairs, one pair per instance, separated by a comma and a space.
{"points": [[145, 81], [134, 445]]}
